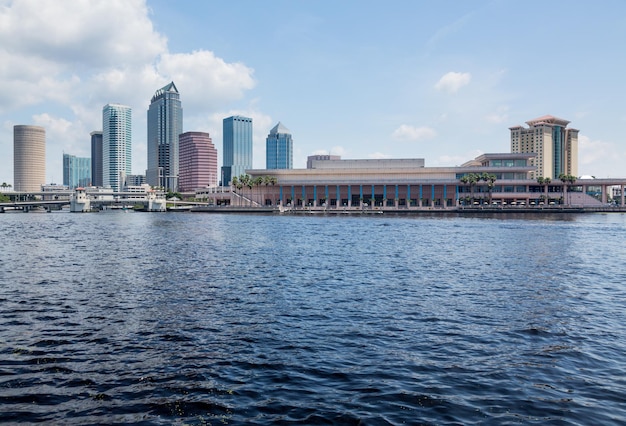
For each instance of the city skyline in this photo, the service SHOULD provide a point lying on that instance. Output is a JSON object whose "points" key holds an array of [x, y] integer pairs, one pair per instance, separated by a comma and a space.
{"points": [[432, 81]]}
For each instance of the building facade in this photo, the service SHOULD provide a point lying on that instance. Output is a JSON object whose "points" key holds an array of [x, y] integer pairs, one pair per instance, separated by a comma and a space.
{"points": [[320, 157], [116, 145], [237, 147], [96, 158], [279, 148], [76, 171], [29, 158], [165, 124], [135, 180], [555, 144], [198, 161]]}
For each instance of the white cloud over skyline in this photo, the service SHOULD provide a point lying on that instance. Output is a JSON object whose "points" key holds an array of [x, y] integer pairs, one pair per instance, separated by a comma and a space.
{"points": [[411, 133], [453, 81], [337, 85]]}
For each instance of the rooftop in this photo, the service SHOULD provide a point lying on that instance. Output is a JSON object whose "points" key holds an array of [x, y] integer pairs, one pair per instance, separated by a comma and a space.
{"points": [[279, 128]]}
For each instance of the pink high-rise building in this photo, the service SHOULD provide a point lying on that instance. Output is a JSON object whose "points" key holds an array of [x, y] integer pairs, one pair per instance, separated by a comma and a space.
{"points": [[197, 161]]}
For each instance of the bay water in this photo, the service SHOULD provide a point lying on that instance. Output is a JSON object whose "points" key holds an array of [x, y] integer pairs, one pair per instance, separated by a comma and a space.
{"points": [[191, 318]]}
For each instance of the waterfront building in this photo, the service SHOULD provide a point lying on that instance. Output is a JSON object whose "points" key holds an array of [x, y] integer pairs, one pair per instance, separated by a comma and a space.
{"points": [[279, 148], [96, 158], [29, 158], [76, 171], [555, 144], [237, 147], [198, 161], [497, 181], [165, 124], [319, 157], [116, 145]]}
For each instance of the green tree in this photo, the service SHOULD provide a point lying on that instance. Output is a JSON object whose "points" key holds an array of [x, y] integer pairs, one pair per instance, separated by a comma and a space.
{"points": [[258, 181], [567, 180], [490, 178]]}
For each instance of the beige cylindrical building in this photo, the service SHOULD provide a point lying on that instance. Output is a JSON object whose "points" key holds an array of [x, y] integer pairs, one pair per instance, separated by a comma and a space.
{"points": [[29, 158]]}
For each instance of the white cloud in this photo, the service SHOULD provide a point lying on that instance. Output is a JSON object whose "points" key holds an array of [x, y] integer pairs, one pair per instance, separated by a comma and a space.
{"points": [[378, 155], [499, 116], [591, 151], [206, 80], [453, 81], [66, 59], [335, 150], [411, 133], [456, 160], [81, 32]]}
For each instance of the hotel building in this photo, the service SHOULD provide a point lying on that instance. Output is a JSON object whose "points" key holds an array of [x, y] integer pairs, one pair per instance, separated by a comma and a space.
{"points": [[555, 144], [198, 161], [237, 147], [116, 145], [29, 158], [279, 148], [165, 124]]}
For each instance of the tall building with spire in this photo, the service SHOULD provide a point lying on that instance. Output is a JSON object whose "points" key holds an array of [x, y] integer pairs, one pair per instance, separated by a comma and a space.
{"points": [[237, 147], [555, 144], [279, 148], [165, 124], [116, 145], [29, 158]]}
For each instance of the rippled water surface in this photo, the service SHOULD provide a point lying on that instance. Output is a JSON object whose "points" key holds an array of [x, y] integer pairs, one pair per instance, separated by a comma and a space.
{"points": [[185, 318]]}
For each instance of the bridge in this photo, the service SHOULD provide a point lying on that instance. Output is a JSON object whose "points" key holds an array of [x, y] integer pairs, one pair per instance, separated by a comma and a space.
{"points": [[99, 199]]}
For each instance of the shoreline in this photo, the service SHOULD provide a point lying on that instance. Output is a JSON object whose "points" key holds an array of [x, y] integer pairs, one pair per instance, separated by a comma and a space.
{"points": [[456, 211]]}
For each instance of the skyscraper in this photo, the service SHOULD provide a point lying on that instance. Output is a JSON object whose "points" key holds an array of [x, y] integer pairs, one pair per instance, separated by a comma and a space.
{"points": [[76, 171], [237, 147], [555, 144], [116, 145], [198, 161], [165, 124], [96, 158], [279, 148], [29, 158]]}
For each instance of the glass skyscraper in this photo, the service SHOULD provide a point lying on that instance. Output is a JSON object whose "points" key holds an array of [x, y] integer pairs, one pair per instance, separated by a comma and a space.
{"points": [[279, 148], [96, 158], [165, 124], [237, 147], [76, 171], [116, 145]]}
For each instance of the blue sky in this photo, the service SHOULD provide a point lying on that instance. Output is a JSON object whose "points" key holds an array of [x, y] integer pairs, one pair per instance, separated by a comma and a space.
{"points": [[439, 80]]}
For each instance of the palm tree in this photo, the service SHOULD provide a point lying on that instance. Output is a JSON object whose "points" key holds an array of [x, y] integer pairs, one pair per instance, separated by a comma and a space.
{"points": [[490, 178], [547, 181], [269, 180], [567, 180], [258, 181], [246, 180]]}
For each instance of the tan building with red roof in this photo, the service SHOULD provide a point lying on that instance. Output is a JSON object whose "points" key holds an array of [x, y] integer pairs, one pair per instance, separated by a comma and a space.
{"points": [[555, 146]]}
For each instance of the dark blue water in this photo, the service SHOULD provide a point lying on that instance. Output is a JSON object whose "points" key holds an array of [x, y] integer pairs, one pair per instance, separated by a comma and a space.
{"points": [[185, 318]]}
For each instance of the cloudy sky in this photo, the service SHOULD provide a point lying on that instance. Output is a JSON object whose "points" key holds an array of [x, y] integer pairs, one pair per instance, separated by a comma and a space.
{"points": [[440, 80]]}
